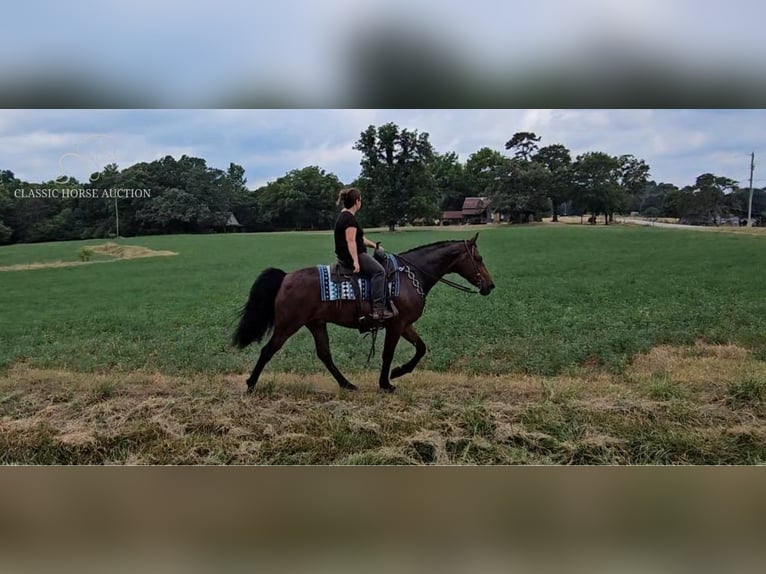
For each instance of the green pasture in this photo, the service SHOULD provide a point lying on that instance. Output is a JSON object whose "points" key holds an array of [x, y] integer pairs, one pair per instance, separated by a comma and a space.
{"points": [[567, 297]]}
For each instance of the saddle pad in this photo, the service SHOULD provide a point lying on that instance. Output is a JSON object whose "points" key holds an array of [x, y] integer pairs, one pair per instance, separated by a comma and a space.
{"points": [[344, 291]]}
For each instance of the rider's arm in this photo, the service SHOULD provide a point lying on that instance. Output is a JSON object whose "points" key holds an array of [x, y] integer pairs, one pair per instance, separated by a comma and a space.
{"points": [[351, 241], [369, 243]]}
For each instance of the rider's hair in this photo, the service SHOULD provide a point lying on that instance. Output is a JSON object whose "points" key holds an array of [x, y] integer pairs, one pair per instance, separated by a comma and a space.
{"points": [[348, 196]]}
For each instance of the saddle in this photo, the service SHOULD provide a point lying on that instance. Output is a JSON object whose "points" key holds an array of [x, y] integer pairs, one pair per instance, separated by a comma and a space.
{"points": [[340, 272]]}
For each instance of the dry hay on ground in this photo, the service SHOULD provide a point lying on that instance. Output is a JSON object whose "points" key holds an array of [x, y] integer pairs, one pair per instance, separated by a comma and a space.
{"points": [[702, 404], [128, 251], [116, 251]]}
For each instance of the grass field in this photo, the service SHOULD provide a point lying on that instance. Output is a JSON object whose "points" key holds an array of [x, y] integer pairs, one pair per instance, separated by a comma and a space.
{"points": [[555, 347]]}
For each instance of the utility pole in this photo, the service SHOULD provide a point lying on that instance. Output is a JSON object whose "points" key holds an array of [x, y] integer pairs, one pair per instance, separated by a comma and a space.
{"points": [[117, 213], [750, 201]]}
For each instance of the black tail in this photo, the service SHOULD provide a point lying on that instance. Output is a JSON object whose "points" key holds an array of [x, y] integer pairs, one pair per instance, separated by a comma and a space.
{"points": [[257, 315]]}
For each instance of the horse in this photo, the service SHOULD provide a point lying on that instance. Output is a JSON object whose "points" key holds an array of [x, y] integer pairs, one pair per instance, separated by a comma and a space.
{"points": [[281, 303]]}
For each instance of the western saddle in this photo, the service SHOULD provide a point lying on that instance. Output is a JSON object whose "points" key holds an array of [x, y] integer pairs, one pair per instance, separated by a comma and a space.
{"points": [[340, 272]]}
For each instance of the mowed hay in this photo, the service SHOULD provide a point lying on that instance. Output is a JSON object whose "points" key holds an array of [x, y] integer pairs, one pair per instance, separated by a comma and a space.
{"points": [[115, 251], [701, 366], [637, 417], [128, 251]]}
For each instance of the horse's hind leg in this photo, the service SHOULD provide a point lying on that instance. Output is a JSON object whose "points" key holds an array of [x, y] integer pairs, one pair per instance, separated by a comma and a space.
{"points": [[269, 350], [322, 340], [411, 335]]}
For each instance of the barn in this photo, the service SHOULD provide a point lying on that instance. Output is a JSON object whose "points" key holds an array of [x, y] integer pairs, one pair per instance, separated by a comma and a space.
{"points": [[475, 210]]}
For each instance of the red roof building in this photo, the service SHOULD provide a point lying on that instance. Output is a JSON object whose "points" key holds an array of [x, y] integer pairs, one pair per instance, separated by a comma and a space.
{"points": [[452, 215], [475, 205], [475, 210]]}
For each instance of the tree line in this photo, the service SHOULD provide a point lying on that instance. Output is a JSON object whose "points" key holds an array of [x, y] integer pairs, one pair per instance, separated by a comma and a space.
{"points": [[403, 179]]}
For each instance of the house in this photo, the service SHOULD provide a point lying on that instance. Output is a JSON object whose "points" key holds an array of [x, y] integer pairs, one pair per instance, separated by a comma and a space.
{"points": [[452, 217], [475, 210]]}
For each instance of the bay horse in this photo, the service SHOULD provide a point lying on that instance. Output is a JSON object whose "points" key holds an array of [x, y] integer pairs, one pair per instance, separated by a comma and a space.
{"points": [[284, 302]]}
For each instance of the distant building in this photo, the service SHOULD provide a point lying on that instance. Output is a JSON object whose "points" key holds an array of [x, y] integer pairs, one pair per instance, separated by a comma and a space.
{"points": [[232, 224], [452, 217], [475, 210]]}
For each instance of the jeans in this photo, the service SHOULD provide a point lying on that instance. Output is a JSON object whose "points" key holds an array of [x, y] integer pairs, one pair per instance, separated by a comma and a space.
{"points": [[374, 270]]}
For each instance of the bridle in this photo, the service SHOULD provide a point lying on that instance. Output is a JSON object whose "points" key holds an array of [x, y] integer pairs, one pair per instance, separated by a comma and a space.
{"points": [[457, 286], [470, 251]]}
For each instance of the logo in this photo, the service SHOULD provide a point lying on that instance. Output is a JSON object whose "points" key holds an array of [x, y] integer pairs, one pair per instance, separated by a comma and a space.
{"points": [[92, 153]]}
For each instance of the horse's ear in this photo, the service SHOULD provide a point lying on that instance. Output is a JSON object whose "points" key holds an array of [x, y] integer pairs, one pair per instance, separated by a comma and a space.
{"points": [[474, 238]]}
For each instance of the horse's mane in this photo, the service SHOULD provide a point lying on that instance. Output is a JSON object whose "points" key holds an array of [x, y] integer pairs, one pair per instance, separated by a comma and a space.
{"points": [[430, 246]]}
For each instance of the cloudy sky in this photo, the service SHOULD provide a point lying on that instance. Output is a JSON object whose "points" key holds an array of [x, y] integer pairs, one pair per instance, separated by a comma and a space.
{"points": [[679, 145], [206, 54], [183, 53]]}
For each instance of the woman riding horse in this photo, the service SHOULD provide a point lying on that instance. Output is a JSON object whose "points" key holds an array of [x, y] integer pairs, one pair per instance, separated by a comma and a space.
{"points": [[350, 247], [285, 302]]}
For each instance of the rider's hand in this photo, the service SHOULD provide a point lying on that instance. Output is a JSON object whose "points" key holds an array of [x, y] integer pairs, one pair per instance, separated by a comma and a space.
{"points": [[356, 267]]}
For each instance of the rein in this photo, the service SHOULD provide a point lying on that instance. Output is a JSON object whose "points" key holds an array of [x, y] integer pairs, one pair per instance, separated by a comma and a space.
{"points": [[452, 284]]}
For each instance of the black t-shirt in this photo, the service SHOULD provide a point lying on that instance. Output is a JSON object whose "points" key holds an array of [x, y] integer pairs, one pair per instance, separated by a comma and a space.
{"points": [[345, 220]]}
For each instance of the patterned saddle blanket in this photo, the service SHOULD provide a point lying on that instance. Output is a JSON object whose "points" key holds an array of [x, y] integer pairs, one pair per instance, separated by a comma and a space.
{"points": [[344, 291]]}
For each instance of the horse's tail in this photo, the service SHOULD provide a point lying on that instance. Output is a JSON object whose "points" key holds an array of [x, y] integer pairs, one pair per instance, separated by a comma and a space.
{"points": [[257, 315]]}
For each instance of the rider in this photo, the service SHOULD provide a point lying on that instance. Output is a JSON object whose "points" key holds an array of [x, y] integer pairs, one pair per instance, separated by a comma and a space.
{"points": [[350, 247]]}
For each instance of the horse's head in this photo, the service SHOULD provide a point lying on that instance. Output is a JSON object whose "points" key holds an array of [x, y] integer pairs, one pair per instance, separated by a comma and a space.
{"points": [[470, 266]]}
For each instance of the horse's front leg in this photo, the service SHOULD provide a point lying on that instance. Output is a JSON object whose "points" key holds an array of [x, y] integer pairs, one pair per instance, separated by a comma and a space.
{"points": [[393, 333], [411, 335]]}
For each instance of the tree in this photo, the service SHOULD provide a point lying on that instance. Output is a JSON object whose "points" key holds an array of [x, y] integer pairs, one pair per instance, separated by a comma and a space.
{"points": [[6, 206], [524, 145], [178, 211], [634, 177], [557, 163], [138, 176], [483, 171], [301, 199], [706, 198], [7, 177], [247, 211], [738, 202], [533, 178], [655, 197], [634, 174], [485, 175], [394, 171], [239, 200], [671, 202], [449, 180], [186, 196], [5, 234], [236, 182], [596, 177], [521, 191]]}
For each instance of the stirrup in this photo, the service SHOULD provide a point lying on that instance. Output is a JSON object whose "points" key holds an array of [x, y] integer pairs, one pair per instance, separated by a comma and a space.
{"points": [[382, 314]]}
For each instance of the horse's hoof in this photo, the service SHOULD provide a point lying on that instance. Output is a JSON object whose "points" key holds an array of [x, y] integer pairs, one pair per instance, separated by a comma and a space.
{"points": [[397, 372], [250, 389], [349, 386], [388, 388]]}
